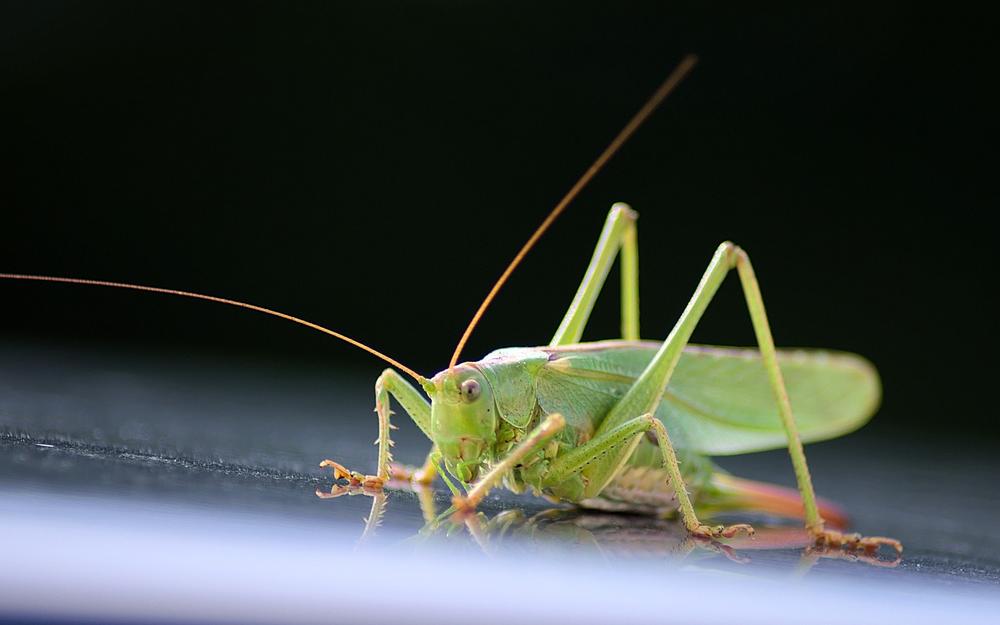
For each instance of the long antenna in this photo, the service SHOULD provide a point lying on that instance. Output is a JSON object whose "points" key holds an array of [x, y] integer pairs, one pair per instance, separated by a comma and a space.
{"points": [[220, 300], [675, 77]]}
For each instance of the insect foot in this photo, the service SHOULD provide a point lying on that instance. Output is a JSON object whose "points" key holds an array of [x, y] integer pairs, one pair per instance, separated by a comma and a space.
{"points": [[414, 475], [854, 542], [463, 505], [721, 531], [340, 472]]}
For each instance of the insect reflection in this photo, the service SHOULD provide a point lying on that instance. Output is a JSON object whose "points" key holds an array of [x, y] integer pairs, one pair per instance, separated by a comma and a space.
{"points": [[607, 534]]}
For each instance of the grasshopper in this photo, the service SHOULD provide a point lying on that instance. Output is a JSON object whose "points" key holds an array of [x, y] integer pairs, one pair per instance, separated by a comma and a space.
{"points": [[622, 424]]}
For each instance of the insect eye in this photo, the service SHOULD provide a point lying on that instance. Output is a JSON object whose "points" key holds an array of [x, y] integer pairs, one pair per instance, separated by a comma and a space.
{"points": [[470, 390]]}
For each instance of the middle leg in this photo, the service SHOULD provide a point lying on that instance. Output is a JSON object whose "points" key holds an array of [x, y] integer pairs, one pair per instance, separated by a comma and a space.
{"points": [[600, 452]]}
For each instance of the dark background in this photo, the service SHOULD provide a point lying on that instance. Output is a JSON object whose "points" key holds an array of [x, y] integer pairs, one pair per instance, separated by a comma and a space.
{"points": [[373, 167]]}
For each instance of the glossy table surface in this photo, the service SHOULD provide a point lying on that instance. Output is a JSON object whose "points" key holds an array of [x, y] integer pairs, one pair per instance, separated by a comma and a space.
{"points": [[175, 488]]}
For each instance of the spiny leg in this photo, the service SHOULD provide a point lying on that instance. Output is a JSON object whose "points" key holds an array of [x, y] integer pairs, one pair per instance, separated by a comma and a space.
{"points": [[548, 428], [389, 384], [814, 522], [688, 515], [599, 449], [374, 518], [645, 395], [618, 233]]}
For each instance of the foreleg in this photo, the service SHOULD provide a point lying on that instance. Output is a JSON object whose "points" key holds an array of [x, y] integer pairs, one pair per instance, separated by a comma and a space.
{"points": [[391, 384]]}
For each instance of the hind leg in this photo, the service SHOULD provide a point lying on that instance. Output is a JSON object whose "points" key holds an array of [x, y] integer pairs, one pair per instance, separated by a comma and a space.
{"points": [[617, 239], [645, 395]]}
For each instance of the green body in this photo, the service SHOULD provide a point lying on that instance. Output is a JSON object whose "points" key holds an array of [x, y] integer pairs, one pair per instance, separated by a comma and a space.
{"points": [[621, 423], [717, 403]]}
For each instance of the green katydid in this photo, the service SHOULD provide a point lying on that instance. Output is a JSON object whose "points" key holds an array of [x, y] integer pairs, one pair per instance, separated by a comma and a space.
{"points": [[623, 424]]}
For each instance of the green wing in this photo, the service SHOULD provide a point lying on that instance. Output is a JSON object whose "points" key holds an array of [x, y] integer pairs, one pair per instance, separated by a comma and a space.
{"points": [[719, 400]]}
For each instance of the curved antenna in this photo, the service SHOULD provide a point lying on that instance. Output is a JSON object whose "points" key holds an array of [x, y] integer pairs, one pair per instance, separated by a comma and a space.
{"points": [[219, 300], [675, 77]]}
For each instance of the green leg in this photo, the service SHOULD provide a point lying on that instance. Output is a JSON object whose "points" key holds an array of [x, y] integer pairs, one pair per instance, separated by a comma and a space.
{"points": [[604, 443], [391, 384], [673, 468], [424, 474], [619, 233], [597, 450], [645, 395], [755, 303], [538, 437]]}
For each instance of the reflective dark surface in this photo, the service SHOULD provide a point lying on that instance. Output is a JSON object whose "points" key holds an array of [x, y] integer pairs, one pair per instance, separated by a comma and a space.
{"points": [[373, 167], [133, 453]]}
